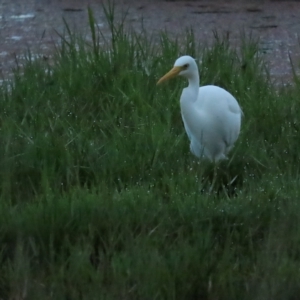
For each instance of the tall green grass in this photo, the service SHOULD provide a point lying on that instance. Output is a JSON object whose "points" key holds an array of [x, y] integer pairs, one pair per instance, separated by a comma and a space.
{"points": [[101, 198]]}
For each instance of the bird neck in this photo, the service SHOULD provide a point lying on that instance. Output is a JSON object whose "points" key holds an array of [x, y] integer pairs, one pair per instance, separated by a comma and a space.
{"points": [[194, 86]]}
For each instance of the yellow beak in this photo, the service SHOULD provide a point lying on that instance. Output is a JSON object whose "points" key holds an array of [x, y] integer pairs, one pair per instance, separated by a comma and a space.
{"points": [[171, 74]]}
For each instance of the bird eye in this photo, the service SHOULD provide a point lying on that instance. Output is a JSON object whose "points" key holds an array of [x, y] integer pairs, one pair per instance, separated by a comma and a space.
{"points": [[185, 66]]}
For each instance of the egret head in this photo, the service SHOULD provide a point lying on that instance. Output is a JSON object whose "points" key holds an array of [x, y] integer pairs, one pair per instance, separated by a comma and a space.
{"points": [[184, 66]]}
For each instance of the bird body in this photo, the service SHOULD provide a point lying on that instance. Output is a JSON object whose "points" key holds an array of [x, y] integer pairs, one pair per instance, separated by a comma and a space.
{"points": [[211, 115]]}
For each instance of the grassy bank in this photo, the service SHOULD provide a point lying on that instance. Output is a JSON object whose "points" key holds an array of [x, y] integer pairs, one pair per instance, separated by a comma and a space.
{"points": [[101, 197]]}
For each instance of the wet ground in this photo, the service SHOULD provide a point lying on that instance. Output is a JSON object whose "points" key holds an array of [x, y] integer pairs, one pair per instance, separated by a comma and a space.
{"points": [[34, 24]]}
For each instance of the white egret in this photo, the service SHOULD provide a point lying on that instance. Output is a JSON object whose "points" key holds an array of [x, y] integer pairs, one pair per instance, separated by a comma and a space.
{"points": [[211, 115]]}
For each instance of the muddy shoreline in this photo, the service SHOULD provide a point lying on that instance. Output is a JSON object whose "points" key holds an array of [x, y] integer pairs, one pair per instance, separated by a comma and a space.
{"points": [[34, 25]]}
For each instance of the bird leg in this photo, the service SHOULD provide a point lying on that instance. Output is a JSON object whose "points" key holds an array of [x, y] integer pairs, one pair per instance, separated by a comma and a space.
{"points": [[214, 178]]}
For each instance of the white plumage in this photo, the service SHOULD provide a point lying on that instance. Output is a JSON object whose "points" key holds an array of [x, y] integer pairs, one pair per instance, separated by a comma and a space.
{"points": [[211, 115]]}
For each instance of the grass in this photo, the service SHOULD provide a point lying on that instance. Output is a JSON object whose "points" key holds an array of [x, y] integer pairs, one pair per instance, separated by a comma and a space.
{"points": [[101, 197]]}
